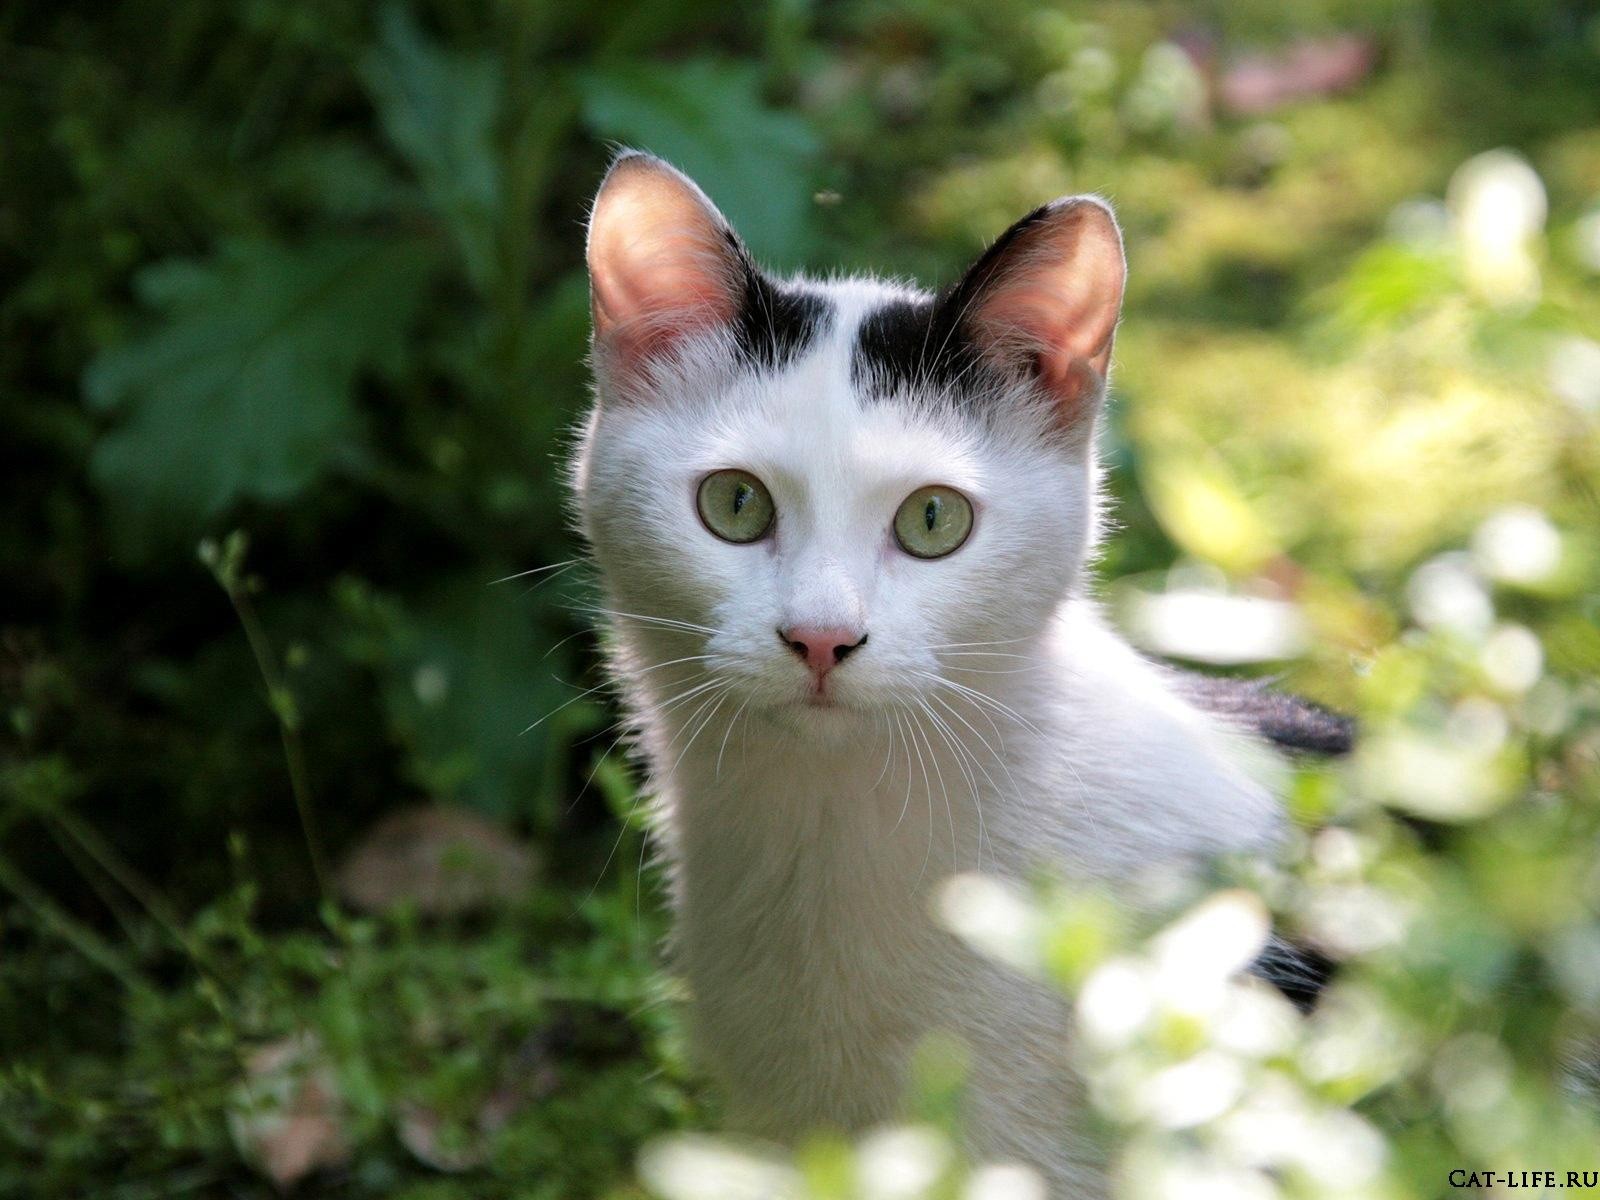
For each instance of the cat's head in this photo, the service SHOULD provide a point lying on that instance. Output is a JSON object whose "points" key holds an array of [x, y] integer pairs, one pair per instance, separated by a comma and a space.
{"points": [[830, 495]]}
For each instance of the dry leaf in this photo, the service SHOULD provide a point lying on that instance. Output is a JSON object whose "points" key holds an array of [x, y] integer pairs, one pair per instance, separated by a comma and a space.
{"points": [[443, 860], [287, 1116], [528, 1076]]}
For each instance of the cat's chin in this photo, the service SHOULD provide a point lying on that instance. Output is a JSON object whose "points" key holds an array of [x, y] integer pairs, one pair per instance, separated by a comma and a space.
{"points": [[819, 716]]}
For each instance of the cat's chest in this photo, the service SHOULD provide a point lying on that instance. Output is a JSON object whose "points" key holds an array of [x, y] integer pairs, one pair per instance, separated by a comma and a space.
{"points": [[821, 967], [823, 908], [849, 902]]}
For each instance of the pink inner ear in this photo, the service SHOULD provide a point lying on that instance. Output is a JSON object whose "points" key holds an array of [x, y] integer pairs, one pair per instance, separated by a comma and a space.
{"points": [[661, 262], [1054, 299]]}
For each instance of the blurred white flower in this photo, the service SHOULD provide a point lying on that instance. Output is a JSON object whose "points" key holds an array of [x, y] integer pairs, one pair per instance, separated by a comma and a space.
{"points": [[1005, 1181], [1478, 725], [1446, 594], [1517, 544], [1213, 627], [1428, 775], [1352, 919], [1221, 935], [1340, 1150], [1586, 236], [1162, 1171], [993, 916], [1116, 1001], [1256, 1021], [1268, 1127], [1512, 658], [1092, 71], [698, 1167], [1471, 1071], [1195, 1091], [1169, 91], [1186, 971], [1338, 852], [1547, 707], [1574, 369], [1354, 1040], [1499, 206], [901, 1163]]}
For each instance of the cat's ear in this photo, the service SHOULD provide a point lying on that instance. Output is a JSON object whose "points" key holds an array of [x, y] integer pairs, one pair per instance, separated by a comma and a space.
{"points": [[664, 264], [1045, 299]]}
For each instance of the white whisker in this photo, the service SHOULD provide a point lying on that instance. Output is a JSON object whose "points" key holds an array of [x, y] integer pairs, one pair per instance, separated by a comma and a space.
{"points": [[999, 642], [557, 567], [734, 720], [905, 805], [927, 787], [934, 757], [664, 622], [715, 701], [606, 683], [964, 755]]}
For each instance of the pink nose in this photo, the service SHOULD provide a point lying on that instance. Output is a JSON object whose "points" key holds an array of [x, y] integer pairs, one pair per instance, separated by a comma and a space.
{"points": [[821, 649]]}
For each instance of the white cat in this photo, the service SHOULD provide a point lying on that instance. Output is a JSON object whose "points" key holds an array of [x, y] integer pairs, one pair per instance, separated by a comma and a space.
{"points": [[842, 530]]}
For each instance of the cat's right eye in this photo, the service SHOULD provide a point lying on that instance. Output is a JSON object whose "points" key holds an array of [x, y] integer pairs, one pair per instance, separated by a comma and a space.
{"points": [[735, 506], [933, 521]]}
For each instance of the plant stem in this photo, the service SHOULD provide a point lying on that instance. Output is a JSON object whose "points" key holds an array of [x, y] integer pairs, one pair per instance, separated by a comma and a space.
{"points": [[85, 940], [105, 856], [288, 731], [227, 565], [101, 886]]}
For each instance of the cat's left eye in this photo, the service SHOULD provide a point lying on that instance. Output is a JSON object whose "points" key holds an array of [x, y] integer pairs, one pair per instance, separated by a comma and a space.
{"points": [[735, 506], [933, 521]]}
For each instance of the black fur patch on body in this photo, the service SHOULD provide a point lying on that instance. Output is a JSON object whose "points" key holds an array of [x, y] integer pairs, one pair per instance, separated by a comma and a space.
{"points": [[1288, 722], [1298, 973], [1296, 725], [777, 322]]}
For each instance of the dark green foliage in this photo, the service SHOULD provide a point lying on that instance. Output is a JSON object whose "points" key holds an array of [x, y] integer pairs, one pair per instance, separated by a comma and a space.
{"points": [[707, 116], [245, 390]]}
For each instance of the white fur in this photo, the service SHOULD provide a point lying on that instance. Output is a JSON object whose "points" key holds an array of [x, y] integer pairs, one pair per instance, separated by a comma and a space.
{"points": [[804, 844]]}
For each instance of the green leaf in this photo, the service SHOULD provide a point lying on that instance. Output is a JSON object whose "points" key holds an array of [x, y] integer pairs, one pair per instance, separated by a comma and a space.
{"points": [[341, 178], [440, 111], [244, 388], [707, 117], [480, 692]]}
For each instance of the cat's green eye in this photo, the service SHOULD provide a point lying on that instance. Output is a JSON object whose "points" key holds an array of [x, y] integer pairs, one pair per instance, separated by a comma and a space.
{"points": [[735, 506], [933, 521]]}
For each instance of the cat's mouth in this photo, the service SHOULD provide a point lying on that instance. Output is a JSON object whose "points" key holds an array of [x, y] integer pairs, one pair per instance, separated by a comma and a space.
{"points": [[823, 699]]}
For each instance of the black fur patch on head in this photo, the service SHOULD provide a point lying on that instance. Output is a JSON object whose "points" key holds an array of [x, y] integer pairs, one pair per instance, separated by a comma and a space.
{"points": [[913, 344], [776, 322], [1289, 722]]}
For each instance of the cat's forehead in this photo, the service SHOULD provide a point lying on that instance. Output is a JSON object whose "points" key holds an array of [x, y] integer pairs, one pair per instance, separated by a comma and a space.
{"points": [[860, 322], [848, 385], [821, 374]]}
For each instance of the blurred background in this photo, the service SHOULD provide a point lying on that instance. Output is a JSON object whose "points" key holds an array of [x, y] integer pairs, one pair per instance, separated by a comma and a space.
{"points": [[317, 872]]}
